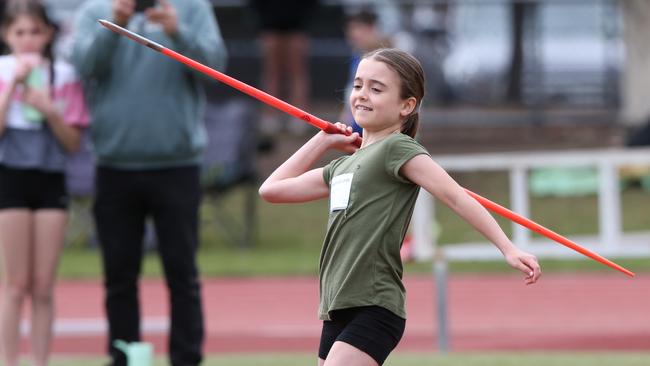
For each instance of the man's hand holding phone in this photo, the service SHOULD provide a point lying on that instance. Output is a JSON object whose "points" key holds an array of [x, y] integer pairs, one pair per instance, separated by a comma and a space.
{"points": [[165, 15], [123, 10], [156, 11]]}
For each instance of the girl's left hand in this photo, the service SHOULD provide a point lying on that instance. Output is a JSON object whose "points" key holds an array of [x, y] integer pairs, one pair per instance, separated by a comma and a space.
{"points": [[39, 99], [526, 263]]}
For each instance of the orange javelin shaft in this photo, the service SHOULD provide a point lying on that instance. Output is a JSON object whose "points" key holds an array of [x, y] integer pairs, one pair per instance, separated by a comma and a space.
{"points": [[331, 128], [544, 231]]}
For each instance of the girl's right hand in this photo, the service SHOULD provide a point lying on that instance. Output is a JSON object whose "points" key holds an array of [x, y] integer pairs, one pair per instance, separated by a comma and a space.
{"points": [[341, 141]]}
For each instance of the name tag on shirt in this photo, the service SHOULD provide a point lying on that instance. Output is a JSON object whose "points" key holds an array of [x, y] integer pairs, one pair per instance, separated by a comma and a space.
{"points": [[340, 192]]}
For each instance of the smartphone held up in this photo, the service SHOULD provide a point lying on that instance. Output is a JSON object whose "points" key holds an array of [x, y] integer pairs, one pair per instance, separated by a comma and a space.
{"points": [[142, 5]]}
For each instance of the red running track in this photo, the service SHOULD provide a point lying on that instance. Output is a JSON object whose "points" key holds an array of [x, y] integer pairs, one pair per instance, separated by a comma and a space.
{"points": [[486, 312]]}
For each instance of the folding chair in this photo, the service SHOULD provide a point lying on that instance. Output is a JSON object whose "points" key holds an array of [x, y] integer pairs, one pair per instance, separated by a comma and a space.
{"points": [[230, 156]]}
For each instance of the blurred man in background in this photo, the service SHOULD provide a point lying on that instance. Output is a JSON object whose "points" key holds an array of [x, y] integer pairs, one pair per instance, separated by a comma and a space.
{"points": [[285, 44], [147, 114]]}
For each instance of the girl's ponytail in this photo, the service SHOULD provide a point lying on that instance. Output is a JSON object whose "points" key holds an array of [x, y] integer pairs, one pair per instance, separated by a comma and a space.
{"points": [[49, 55], [411, 125]]}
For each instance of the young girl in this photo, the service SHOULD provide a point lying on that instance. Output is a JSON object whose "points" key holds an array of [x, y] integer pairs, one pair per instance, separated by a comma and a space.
{"points": [[372, 193], [41, 113]]}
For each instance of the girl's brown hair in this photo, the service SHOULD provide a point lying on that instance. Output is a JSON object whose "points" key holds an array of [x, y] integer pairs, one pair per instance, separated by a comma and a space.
{"points": [[411, 75]]}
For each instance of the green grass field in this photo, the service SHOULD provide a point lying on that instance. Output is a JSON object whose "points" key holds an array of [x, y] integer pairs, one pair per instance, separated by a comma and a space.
{"points": [[288, 237], [414, 359]]}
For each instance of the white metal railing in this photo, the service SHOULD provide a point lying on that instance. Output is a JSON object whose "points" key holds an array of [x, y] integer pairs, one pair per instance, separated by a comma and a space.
{"points": [[610, 241]]}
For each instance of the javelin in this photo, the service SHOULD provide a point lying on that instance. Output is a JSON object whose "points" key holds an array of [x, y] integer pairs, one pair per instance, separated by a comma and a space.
{"points": [[331, 128], [243, 87]]}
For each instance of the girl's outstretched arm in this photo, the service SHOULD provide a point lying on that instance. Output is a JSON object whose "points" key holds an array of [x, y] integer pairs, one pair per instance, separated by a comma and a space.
{"points": [[426, 173], [293, 181]]}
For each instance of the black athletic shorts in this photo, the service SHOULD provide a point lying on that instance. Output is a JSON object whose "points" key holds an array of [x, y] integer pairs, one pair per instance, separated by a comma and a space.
{"points": [[32, 189], [372, 329]]}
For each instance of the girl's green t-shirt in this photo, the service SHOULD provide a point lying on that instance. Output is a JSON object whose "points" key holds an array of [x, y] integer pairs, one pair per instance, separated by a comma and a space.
{"points": [[370, 209]]}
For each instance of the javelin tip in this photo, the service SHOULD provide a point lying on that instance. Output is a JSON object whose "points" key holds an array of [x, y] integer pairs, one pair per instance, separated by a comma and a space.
{"points": [[134, 36]]}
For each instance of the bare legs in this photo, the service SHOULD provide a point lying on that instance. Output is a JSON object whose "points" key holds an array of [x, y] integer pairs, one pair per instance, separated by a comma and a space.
{"points": [[285, 64], [49, 237], [343, 354], [30, 245], [15, 239]]}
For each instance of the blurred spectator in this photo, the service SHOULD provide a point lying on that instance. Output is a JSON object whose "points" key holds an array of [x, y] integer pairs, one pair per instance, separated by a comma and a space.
{"points": [[363, 35], [430, 23], [42, 114], [148, 136], [390, 18], [285, 45], [635, 110]]}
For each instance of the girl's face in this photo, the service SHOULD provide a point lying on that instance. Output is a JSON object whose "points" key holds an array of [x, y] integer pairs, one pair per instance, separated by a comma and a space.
{"points": [[27, 34], [375, 99]]}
